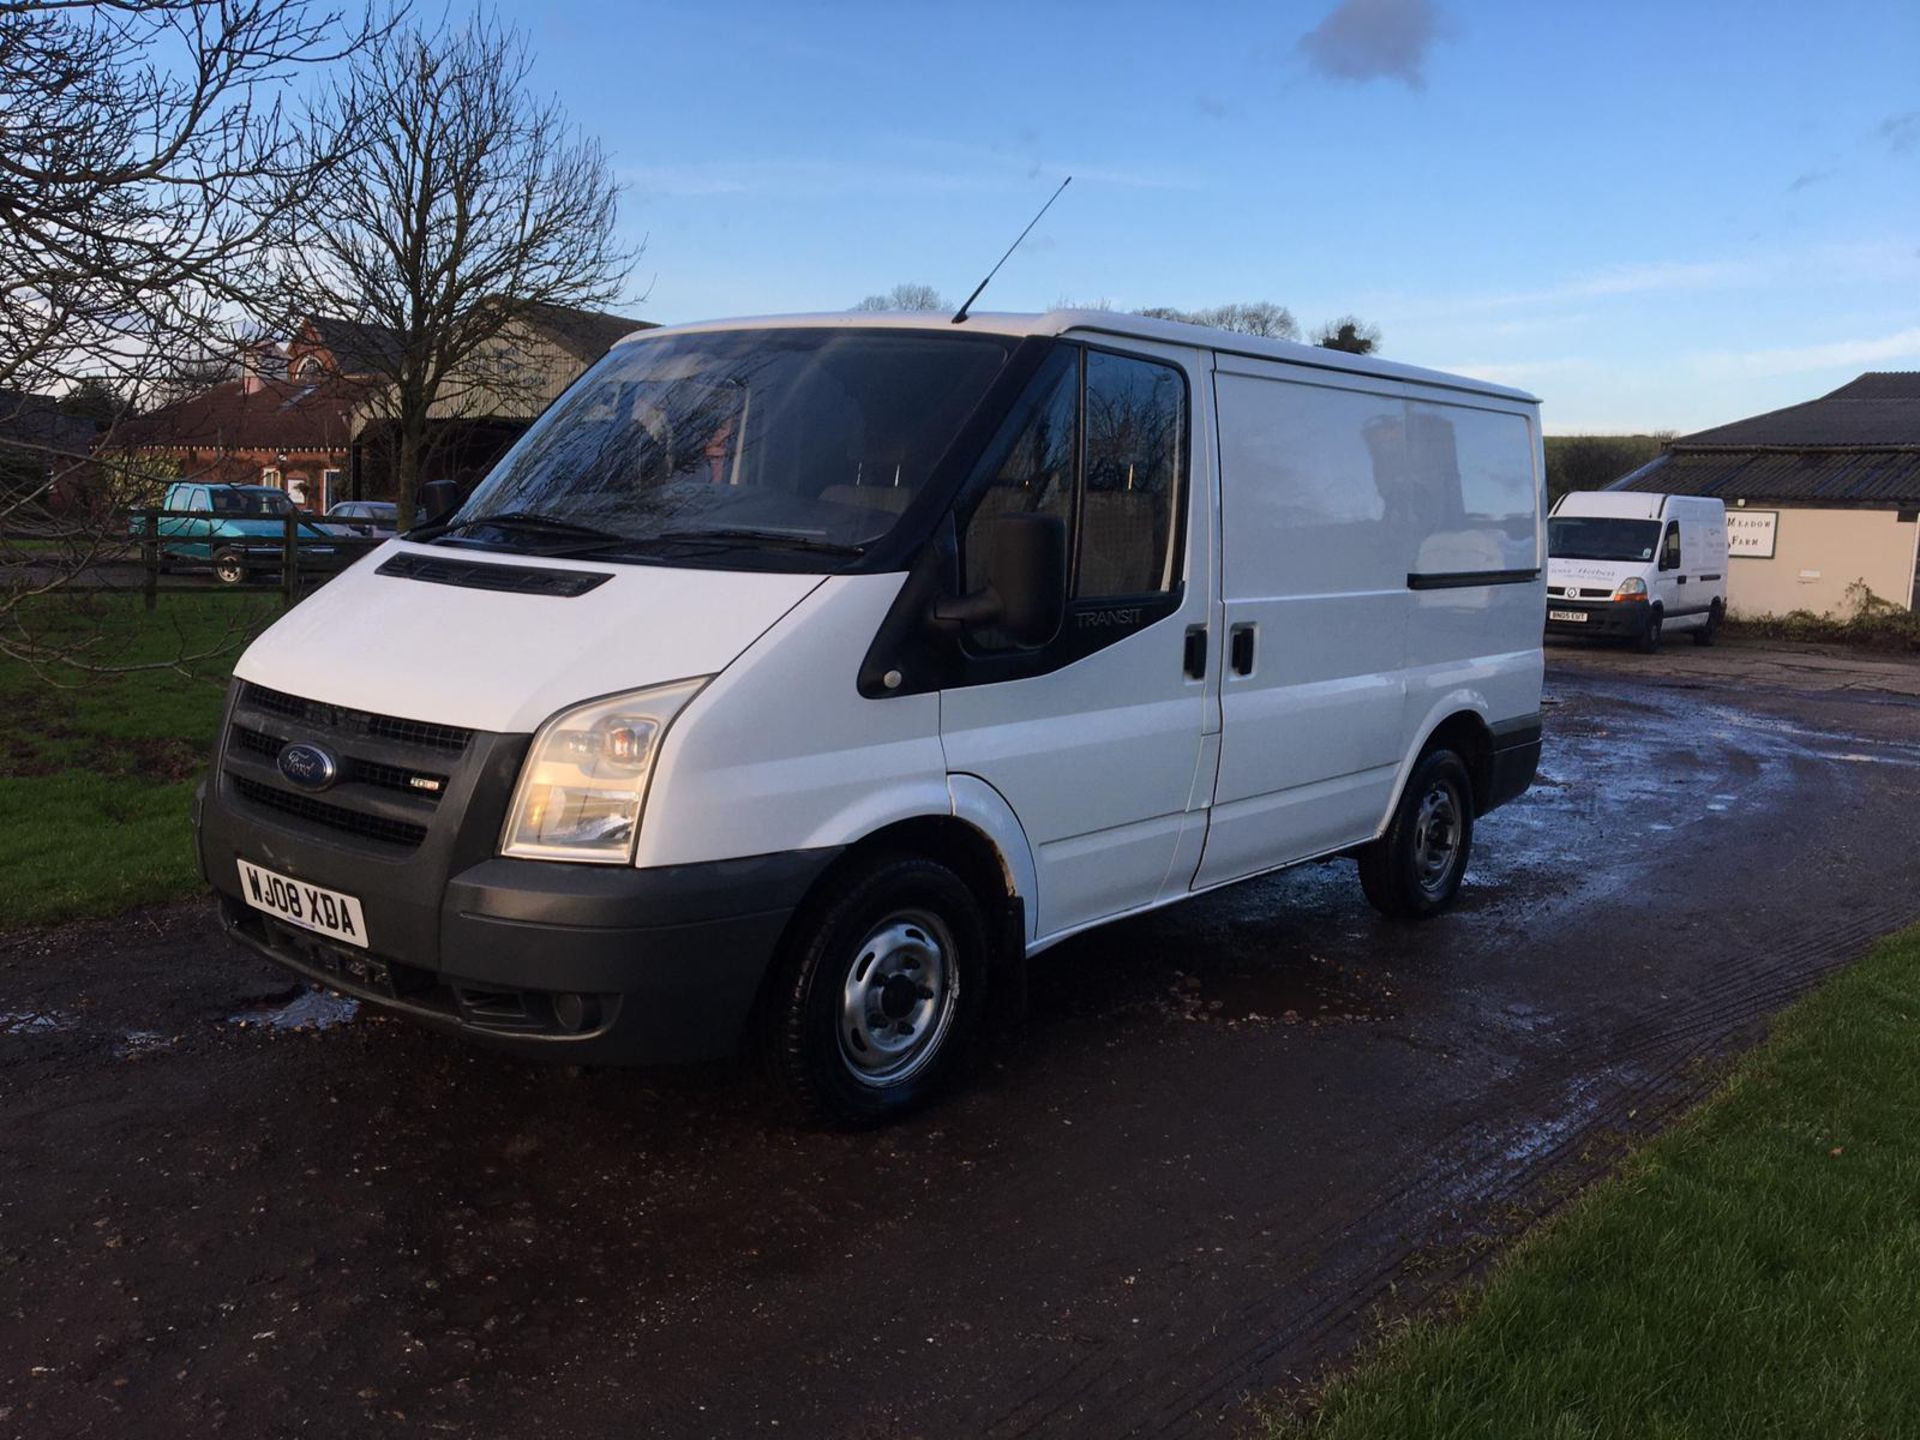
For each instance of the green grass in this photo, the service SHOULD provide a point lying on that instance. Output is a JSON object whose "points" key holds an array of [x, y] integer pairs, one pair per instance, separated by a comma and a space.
{"points": [[1753, 1272], [96, 771]]}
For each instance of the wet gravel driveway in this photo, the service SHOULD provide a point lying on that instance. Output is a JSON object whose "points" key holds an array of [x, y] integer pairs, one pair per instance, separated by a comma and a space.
{"points": [[1227, 1138]]}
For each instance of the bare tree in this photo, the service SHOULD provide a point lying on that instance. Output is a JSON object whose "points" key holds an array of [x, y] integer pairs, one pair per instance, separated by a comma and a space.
{"points": [[1348, 333], [1257, 317], [145, 161], [463, 203], [909, 295]]}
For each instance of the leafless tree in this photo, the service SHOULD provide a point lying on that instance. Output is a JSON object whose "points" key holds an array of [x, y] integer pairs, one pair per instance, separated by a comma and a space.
{"points": [[145, 162], [910, 295], [1257, 317], [1348, 333], [464, 202]]}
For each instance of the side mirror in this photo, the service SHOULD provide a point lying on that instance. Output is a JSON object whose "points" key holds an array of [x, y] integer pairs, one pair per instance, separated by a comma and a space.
{"points": [[438, 499], [1026, 592]]}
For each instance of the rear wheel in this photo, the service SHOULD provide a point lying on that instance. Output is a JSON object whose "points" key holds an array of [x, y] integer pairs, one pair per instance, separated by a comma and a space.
{"points": [[1709, 632], [1648, 640], [1414, 870], [881, 984], [228, 567]]}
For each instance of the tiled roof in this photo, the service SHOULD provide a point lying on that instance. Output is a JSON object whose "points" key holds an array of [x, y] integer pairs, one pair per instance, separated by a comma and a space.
{"points": [[586, 334], [276, 415], [1859, 445], [1851, 475], [358, 347], [1878, 408]]}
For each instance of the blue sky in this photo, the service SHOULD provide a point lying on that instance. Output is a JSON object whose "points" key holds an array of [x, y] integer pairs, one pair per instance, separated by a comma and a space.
{"points": [[1652, 215]]}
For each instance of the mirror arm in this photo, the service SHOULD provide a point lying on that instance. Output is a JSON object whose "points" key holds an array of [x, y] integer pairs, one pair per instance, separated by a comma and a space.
{"points": [[982, 607]]}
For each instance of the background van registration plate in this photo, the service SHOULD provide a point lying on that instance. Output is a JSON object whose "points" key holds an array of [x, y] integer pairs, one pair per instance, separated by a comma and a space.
{"points": [[326, 912], [1579, 616]]}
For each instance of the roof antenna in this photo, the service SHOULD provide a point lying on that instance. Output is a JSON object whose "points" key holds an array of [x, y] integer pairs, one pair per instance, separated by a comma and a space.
{"points": [[960, 315]]}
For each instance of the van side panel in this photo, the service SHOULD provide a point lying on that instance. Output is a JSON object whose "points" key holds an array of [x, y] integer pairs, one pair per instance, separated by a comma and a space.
{"points": [[1479, 469], [1316, 549]]}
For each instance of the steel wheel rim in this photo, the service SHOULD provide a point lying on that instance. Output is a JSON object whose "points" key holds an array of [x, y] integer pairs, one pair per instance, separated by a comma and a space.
{"points": [[227, 573], [1438, 828], [897, 1001]]}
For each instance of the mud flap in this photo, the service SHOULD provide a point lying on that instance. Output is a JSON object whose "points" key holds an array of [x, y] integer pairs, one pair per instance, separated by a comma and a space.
{"points": [[1007, 991]]}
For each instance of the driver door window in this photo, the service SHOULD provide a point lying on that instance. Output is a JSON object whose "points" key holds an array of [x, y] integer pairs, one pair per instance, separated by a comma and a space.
{"points": [[1670, 549], [1100, 443]]}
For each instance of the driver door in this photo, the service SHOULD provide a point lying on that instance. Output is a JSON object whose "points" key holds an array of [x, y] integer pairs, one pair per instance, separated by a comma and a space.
{"points": [[1098, 738]]}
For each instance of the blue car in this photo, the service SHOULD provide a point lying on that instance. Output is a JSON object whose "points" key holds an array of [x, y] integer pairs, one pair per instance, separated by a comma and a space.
{"points": [[234, 529]]}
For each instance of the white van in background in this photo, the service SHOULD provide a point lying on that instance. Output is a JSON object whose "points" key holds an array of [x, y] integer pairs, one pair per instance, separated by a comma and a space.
{"points": [[790, 677], [1636, 567]]}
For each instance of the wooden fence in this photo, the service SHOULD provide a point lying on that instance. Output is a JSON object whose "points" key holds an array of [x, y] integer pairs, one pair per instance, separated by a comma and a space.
{"points": [[317, 554]]}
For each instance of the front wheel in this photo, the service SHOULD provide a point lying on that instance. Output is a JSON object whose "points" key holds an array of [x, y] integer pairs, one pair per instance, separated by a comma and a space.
{"points": [[1709, 632], [228, 567], [881, 982], [1648, 640], [1414, 870]]}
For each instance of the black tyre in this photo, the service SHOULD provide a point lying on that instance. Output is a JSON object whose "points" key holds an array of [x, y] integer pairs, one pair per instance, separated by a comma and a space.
{"points": [[1414, 870], [879, 986], [228, 567], [1648, 640], [1709, 632]]}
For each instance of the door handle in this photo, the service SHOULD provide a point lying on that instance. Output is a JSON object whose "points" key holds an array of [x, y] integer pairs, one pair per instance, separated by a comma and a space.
{"points": [[1679, 579], [1195, 659], [1240, 647]]}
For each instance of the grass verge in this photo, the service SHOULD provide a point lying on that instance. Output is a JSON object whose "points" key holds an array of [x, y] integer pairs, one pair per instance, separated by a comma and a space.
{"points": [[96, 771], [1753, 1272]]}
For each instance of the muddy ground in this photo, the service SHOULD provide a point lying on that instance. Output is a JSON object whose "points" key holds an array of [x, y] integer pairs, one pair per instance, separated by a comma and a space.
{"points": [[1228, 1138]]}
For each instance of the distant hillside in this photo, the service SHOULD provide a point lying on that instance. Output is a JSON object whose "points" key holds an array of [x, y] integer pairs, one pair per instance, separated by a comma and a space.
{"points": [[1589, 462]]}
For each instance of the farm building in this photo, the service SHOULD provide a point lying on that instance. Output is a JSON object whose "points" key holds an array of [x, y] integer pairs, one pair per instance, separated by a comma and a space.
{"points": [[1820, 496]]}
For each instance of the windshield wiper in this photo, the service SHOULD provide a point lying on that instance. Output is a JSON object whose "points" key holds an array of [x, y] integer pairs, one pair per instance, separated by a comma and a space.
{"points": [[778, 539], [531, 520]]}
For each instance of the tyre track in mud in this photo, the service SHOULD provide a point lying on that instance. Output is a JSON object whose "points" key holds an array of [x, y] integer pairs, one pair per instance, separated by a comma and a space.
{"points": [[1650, 1071]]}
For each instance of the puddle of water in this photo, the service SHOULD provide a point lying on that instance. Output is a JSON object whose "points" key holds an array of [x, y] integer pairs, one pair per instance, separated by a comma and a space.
{"points": [[136, 1043], [34, 1022], [309, 1010]]}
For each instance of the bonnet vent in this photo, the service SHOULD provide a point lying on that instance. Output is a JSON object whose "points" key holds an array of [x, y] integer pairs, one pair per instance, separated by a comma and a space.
{"points": [[479, 575]]}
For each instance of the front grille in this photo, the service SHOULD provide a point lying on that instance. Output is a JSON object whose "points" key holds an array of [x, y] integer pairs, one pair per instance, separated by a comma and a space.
{"points": [[339, 720], [334, 817], [354, 769]]}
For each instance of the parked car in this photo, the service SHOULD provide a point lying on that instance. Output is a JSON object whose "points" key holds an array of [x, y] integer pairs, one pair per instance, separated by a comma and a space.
{"points": [[367, 518], [1636, 567], [789, 682], [235, 530]]}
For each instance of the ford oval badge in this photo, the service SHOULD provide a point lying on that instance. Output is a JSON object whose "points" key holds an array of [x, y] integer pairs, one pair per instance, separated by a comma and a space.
{"points": [[308, 766]]}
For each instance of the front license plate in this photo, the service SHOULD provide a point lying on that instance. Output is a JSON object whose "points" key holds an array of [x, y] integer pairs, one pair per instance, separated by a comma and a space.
{"points": [[325, 912], [1579, 617]]}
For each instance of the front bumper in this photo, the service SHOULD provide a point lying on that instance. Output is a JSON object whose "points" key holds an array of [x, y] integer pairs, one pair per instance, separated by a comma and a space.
{"points": [[1611, 619], [586, 964]]}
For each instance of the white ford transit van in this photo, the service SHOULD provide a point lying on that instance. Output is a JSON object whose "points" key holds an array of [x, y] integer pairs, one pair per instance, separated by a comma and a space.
{"points": [[1636, 566], [790, 677]]}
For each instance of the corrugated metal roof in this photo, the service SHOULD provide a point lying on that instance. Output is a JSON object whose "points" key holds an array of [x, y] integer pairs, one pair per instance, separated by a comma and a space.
{"points": [[1888, 475]]}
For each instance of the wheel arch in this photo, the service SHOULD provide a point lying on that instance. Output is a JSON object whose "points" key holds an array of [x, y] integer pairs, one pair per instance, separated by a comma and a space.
{"points": [[1459, 721]]}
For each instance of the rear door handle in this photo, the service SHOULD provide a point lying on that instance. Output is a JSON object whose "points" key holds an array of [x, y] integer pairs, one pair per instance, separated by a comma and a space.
{"points": [[1195, 659], [1240, 647]]}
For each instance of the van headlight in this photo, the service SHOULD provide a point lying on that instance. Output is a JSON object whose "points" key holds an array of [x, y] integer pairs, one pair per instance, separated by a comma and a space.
{"points": [[585, 778], [1631, 588]]}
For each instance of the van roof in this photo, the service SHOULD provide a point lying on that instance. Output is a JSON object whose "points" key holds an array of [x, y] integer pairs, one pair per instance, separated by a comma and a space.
{"points": [[1627, 504], [1107, 322]]}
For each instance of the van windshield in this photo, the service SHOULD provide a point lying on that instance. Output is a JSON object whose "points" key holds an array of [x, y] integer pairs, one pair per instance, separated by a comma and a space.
{"points": [[1596, 537], [801, 444]]}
